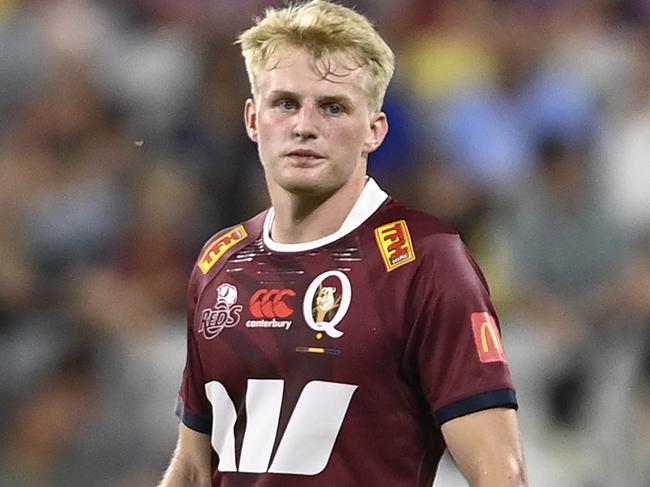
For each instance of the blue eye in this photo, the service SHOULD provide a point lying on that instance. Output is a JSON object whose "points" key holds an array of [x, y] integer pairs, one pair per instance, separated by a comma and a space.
{"points": [[334, 108], [287, 104]]}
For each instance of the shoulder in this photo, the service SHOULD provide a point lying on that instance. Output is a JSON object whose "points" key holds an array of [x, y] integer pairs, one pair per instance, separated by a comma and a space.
{"points": [[421, 225], [395, 225], [433, 250], [224, 243]]}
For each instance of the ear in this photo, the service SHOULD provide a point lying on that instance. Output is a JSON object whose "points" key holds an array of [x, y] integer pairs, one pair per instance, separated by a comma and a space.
{"points": [[378, 131], [250, 119]]}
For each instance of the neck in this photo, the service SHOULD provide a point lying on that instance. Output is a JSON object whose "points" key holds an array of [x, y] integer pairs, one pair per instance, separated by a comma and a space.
{"points": [[305, 218]]}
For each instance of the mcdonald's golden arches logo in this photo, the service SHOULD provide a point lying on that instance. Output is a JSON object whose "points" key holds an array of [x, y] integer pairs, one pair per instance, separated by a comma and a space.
{"points": [[487, 338]]}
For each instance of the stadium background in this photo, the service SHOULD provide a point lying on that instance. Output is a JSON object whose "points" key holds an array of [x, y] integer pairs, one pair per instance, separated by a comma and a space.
{"points": [[526, 124]]}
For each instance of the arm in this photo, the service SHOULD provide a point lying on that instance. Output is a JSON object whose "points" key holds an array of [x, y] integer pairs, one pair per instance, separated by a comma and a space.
{"points": [[190, 464], [486, 448]]}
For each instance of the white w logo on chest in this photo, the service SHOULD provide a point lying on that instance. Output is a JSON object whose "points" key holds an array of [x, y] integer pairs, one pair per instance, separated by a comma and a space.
{"points": [[308, 440]]}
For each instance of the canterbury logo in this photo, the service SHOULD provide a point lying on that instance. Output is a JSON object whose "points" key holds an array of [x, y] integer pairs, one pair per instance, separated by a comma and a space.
{"points": [[395, 244], [486, 338], [270, 303], [308, 440], [221, 246]]}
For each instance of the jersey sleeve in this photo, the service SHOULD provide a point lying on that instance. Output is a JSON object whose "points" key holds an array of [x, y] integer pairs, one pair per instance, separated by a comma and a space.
{"points": [[193, 407], [454, 341]]}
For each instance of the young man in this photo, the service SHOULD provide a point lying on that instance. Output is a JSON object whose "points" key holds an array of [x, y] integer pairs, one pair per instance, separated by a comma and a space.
{"points": [[338, 338]]}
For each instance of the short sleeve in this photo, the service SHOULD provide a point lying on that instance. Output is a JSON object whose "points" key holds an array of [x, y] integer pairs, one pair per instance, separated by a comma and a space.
{"points": [[454, 340], [193, 407]]}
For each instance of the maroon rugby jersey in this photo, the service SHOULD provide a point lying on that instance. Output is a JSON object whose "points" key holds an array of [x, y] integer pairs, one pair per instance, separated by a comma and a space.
{"points": [[334, 362]]}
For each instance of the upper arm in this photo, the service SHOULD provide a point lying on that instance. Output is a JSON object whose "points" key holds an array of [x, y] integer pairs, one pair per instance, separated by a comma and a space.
{"points": [[487, 448], [454, 340], [190, 464]]}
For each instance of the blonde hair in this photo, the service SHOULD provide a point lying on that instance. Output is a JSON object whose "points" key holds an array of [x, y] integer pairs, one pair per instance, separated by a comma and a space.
{"points": [[321, 28]]}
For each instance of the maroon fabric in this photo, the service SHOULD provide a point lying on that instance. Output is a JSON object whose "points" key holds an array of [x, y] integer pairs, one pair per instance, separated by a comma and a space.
{"points": [[407, 344]]}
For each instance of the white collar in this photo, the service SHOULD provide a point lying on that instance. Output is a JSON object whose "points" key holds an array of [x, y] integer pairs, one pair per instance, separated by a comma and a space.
{"points": [[369, 201]]}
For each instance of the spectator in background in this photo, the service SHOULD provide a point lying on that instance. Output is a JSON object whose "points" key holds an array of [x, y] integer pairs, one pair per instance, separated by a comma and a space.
{"points": [[568, 254], [49, 422], [623, 168]]}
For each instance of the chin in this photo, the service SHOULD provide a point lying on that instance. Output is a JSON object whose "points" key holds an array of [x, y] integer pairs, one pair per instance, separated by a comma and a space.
{"points": [[308, 186], [310, 182]]}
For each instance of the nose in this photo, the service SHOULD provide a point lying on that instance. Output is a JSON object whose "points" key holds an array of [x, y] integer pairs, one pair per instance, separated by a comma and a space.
{"points": [[306, 122]]}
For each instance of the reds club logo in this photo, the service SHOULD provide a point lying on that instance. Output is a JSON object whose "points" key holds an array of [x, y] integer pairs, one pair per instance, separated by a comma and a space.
{"points": [[225, 313]]}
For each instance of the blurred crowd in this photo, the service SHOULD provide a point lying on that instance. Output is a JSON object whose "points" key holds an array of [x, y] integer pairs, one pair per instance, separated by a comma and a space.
{"points": [[523, 123]]}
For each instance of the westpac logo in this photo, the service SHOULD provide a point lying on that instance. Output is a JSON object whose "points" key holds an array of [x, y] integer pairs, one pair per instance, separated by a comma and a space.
{"points": [[271, 307], [308, 440], [220, 246], [395, 244], [486, 338], [225, 313]]}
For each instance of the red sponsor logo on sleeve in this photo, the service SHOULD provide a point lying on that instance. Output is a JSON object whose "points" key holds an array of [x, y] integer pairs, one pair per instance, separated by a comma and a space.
{"points": [[395, 244], [220, 246], [487, 338]]}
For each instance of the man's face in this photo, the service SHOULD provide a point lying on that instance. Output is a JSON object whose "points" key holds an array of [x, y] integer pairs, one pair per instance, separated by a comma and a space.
{"points": [[313, 132]]}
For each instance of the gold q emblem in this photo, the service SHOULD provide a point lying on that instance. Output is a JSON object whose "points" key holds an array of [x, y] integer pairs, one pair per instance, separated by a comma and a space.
{"points": [[322, 308]]}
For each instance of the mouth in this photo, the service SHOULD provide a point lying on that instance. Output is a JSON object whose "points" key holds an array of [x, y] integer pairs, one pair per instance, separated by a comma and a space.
{"points": [[305, 156], [305, 153]]}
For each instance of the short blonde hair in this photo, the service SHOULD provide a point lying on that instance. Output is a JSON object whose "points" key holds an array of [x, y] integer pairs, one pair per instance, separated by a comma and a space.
{"points": [[321, 28]]}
